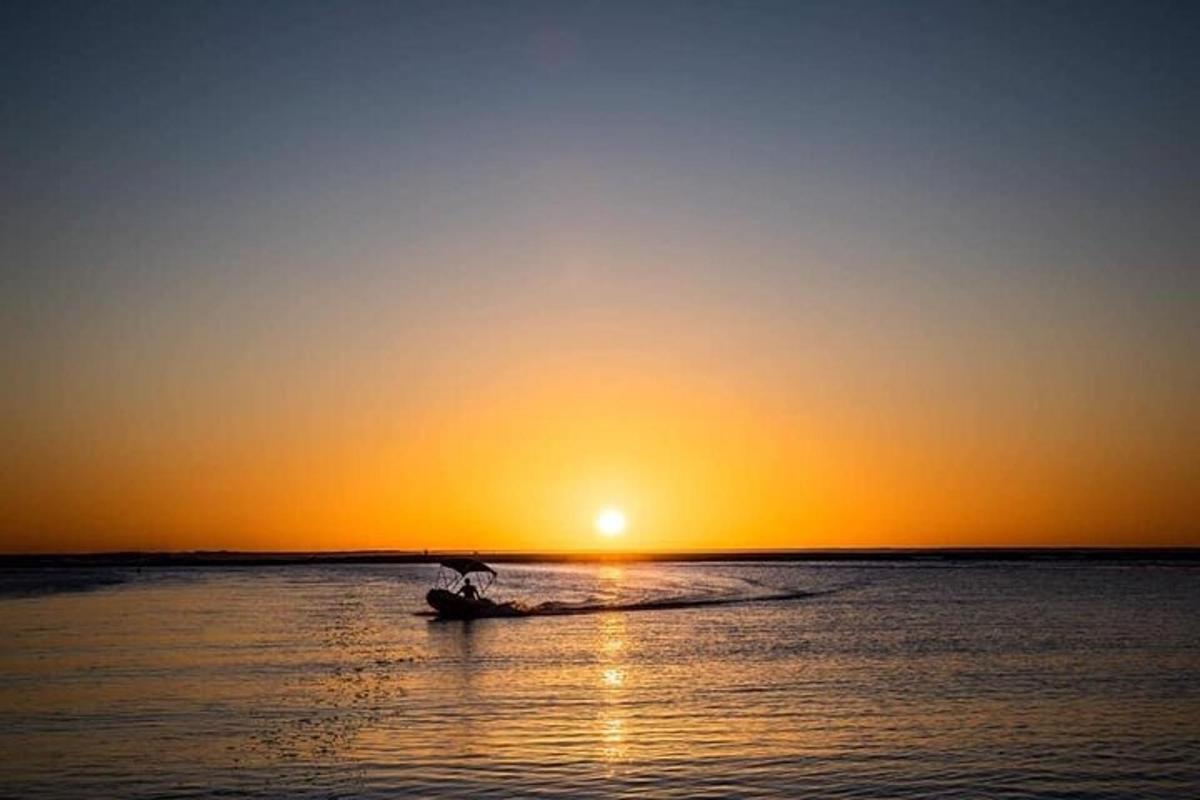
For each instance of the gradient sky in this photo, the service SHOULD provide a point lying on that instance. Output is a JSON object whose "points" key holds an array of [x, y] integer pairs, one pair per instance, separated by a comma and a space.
{"points": [[364, 275]]}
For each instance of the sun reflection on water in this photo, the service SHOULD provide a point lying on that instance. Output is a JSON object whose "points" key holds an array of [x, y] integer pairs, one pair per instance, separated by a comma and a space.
{"points": [[612, 717]]}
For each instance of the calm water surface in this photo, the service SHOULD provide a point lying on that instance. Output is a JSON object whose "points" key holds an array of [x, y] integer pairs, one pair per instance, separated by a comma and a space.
{"points": [[894, 680]]}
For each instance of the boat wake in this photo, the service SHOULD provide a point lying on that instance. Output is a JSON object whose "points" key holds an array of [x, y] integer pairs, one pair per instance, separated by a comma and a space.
{"points": [[558, 609], [553, 608]]}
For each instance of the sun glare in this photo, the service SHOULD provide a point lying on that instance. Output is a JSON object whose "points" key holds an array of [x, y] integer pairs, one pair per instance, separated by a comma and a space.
{"points": [[610, 522]]}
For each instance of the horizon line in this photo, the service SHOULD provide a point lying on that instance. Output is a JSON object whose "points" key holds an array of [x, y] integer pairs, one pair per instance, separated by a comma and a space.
{"points": [[225, 557]]}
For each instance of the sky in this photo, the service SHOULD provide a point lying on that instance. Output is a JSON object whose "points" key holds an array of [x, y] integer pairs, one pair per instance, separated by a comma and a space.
{"points": [[289, 276]]}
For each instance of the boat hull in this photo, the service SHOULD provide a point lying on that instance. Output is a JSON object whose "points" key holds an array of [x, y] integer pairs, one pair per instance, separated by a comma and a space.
{"points": [[450, 605]]}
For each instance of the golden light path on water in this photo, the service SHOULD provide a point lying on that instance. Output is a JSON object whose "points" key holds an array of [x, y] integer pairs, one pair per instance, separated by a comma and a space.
{"points": [[610, 647]]}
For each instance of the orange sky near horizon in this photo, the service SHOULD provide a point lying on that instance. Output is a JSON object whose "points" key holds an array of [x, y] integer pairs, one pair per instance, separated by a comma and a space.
{"points": [[707, 438]]}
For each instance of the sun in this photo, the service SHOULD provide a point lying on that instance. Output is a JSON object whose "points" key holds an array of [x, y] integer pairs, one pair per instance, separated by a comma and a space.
{"points": [[610, 522]]}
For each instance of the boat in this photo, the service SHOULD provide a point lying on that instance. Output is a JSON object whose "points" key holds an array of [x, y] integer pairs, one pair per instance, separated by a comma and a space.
{"points": [[450, 602]]}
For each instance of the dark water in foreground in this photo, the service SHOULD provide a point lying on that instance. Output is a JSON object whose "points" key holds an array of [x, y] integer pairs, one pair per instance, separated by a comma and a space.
{"points": [[889, 680]]}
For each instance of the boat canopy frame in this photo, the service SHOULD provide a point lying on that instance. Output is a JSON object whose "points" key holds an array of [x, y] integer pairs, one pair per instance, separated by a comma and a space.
{"points": [[453, 573]]}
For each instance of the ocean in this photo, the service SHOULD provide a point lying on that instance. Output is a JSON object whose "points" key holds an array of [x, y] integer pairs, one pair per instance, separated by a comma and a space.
{"points": [[910, 679]]}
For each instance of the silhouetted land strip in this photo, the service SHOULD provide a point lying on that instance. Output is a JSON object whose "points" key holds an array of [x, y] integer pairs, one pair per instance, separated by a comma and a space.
{"points": [[227, 558]]}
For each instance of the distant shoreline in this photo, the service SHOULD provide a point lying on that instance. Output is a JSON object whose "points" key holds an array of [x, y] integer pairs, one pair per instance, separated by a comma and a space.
{"points": [[231, 558]]}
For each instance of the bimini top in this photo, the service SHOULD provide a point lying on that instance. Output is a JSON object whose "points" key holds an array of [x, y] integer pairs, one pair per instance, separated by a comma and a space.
{"points": [[465, 566]]}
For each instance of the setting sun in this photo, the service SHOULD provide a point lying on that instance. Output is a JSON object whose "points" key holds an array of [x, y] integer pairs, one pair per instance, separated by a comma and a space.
{"points": [[610, 522]]}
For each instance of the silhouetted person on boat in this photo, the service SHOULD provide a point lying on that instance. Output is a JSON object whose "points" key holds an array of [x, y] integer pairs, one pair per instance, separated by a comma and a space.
{"points": [[468, 590]]}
